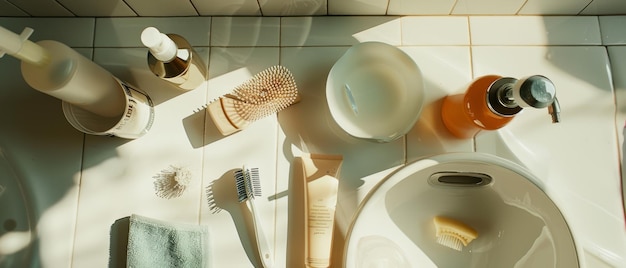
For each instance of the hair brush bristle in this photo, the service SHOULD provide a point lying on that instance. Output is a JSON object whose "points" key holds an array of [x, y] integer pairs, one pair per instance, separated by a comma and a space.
{"points": [[264, 94]]}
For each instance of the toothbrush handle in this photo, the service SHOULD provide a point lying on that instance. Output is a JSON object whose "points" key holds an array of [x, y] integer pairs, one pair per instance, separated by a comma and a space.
{"points": [[262, 243]]}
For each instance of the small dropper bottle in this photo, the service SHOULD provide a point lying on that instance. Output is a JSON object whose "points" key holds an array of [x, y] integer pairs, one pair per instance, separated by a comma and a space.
{"points": [[59, 71], [173, 59], [492, 101]]}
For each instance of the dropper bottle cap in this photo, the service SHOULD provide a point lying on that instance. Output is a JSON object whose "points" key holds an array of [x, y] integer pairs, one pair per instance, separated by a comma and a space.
{"points": [[160, 45], [20, 47]]}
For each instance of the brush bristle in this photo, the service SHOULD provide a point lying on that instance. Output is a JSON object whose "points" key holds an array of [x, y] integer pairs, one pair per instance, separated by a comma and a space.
{"points": [[450, 241], [247, 182], [452, 233], [264, 94]]}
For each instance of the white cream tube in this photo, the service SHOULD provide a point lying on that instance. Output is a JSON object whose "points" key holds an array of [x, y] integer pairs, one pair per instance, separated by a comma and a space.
{"points": [[321, 187]]}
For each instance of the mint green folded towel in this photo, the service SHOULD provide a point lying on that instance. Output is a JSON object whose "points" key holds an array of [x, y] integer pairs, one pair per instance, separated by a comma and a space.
{"points": [[154, 243]]}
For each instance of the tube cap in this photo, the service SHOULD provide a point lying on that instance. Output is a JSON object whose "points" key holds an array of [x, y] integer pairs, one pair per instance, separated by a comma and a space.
{"points": [[160, 45]]}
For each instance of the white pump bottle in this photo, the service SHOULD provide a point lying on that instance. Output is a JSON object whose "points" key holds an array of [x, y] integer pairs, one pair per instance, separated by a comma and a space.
{"points": [[59, 71]]}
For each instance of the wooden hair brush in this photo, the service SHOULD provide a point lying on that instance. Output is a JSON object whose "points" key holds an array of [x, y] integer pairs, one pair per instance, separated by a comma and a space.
{"points": [[264, 94]]}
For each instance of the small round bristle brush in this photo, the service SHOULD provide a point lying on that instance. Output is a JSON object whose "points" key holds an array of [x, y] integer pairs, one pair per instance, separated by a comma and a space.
{"points": [[266, 93]]}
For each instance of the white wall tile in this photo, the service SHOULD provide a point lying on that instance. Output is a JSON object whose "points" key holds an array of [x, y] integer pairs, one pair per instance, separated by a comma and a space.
{"points": [[535, 30], [10, 10], [227, 8], [100, 8], [42, 8], [357, 7], [74, 32], [487, 7], [293, 7], [245, 31], [420, 7], [605, 7], [333, 31], [612, 29], [169, 8], [540, 7], [435, 30], [126, 32]]}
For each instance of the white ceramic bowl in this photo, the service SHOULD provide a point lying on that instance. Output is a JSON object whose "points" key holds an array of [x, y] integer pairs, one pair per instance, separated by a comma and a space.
{"points": [[375, 91]]}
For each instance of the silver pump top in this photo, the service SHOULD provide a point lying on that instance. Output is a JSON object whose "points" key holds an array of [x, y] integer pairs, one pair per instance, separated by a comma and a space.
{"points": [[507, 96], [534, 91]]}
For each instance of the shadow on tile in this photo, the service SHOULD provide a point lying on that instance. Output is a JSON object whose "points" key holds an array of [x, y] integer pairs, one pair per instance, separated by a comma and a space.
{"points": [[197, 124], [118, 243]]}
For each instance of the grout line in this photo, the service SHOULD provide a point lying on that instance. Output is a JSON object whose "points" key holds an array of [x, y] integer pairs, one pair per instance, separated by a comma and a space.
{"points": [[194, 7], [521, 7], [78, 194], [585, 7], [131, 8], [453, 7]]}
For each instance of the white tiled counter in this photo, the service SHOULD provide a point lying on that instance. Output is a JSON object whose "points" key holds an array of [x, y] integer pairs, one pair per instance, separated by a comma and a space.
{"points": [[84, 187]]}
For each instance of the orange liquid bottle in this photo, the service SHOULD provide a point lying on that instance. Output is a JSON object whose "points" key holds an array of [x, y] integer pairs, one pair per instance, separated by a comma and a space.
{"points": [[484, 106]]}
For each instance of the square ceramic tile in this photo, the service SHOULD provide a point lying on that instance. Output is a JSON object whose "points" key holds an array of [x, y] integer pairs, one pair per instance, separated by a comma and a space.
{"points": [[10, 10], [45, 153], [245, 31], [534, 30], [307, 127], [487, 7], [337, 31], [605, 7], [446, 71], [74, 32], [123, 172], [539, 7], [355, 7], [230, 8], [102, 8], [233, 239], [162, 8], [612, 29], [293, 8], [420, 7], [452, 30], [126, 32], [42, 8], [564, 156]]}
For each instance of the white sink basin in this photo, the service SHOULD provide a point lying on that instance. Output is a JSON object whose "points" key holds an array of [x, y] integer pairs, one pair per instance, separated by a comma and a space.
{"points": [[517, 223]]}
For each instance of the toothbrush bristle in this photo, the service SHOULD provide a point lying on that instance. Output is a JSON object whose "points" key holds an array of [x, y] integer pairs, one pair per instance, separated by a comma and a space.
{"points": [[248, 183], [240, 184], [254, 182], [450, 241]]}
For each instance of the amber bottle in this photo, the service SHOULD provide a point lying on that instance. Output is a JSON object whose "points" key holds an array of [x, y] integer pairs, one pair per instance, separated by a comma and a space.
{"points": [[490, 102]]}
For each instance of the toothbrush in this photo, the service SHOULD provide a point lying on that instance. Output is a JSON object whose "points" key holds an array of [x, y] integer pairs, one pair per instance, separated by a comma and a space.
{"points": [[248, 186]]}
